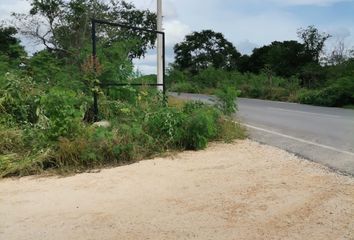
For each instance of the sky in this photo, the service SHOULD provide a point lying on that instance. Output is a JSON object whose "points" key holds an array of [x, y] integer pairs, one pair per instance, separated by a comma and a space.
{"points": [[245, 23]]}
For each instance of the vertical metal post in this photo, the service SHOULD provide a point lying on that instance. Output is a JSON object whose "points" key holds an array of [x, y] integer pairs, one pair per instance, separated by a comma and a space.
{"points": [[159, 46], [94, 53], [164, 63]]}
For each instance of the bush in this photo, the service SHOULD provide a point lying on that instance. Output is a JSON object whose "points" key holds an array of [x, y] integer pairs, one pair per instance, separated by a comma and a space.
{"points": [[338, 94], [22, 165], [44, 68], [175, 76], [190, 107], [65, 111], [10, 140], [166, 126], [211, 78], [200, 127], [227, 97], [191, 127], [115, 109], [99, 147], [19, 98], [185, 87], [277, 94], [229, 130]]}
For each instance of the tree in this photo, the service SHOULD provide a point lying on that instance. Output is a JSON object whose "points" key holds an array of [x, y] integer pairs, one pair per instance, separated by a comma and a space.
{"points": [[287, 58], [10, 45], [204, 49], [284, 58], [314, 41], [258, 59], [312, 75], [11, 52], [244, 64], [64, 27], [339, 53]]}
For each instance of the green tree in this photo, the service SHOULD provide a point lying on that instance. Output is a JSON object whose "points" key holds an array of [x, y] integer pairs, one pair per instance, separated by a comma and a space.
{"points": [[284, 58], [204, 49], [11, 51], [244, 64], [314, 41], [64, 27], [258, 59]]}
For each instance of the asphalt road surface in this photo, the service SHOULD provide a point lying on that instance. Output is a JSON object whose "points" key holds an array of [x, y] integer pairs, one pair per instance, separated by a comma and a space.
{"points": [[321, 134]]}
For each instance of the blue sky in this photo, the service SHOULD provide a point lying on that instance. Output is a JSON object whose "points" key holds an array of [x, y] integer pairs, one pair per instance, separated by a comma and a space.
{"points": [[246, 23]]}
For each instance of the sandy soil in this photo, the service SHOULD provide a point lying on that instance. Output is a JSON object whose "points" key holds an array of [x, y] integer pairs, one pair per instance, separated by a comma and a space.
{"points": [[239, 191]]}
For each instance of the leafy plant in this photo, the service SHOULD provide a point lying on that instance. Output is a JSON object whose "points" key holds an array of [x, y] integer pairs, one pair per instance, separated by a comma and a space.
{"points": [[227, 97], [19, 98], [166, 125], [65, 111], [200, 127]]}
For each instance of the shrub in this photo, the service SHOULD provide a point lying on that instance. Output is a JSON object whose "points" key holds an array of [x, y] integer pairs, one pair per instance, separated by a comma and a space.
{"points": [[184, 87], [176, 76], [115, 109], [200, 127], [100, 147], [277, 94], [44, 67], [125, 93], [19, 98], [22, 165], [10, 141], [166, 126], [136, 143], [211, 77], [65, 111], [229, 130], [193, 106], [307, 96], [227, 100], [338, 94]]}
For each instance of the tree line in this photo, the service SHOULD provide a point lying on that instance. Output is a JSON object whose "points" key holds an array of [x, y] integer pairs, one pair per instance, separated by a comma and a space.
{"points": [[298, 71], [283, 70]]}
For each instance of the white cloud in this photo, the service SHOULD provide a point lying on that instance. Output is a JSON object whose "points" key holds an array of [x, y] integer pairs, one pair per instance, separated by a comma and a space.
{"points": [[146, 69], [148, 64], [169, 8], [246, 47], [175, 32], [9, 6], [339, 32]]}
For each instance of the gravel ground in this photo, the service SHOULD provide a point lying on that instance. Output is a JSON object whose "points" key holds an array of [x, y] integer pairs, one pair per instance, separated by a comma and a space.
{"points": [[229, 191]]}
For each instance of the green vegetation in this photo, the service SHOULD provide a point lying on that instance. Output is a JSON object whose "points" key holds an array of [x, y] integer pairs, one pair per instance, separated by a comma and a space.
{"points": [[284, 71], [141, 127], [46, 103], [46, 100]]}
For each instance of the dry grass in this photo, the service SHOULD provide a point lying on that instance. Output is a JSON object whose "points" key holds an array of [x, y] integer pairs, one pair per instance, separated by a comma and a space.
{"points": [[176, 102]]}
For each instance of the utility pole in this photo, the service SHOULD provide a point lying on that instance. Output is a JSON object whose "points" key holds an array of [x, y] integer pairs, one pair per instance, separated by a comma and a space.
{"points": [[159, 46]]}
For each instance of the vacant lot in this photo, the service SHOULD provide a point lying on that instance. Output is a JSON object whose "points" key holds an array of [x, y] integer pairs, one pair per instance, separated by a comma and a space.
{"points": [[238, 191]]}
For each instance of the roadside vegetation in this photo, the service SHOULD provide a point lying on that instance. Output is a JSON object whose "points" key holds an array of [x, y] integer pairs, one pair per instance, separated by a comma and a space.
{"points": [[46, 103], [292, 71]]}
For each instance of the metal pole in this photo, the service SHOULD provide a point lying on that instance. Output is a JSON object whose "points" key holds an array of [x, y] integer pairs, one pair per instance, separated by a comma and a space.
{"points": [[164, 63], [94, 53], [159, 46]]}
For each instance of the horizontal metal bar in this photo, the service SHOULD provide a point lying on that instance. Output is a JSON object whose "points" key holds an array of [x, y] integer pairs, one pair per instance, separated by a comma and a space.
{"points": [[130, 84], [126, 26]]}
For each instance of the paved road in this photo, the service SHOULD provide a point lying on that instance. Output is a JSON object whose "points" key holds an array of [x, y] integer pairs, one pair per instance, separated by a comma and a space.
{"points": [[324, 135]]}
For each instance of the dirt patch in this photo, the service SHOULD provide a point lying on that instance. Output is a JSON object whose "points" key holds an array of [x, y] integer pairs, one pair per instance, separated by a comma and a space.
{"points": [[238, 191]]}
